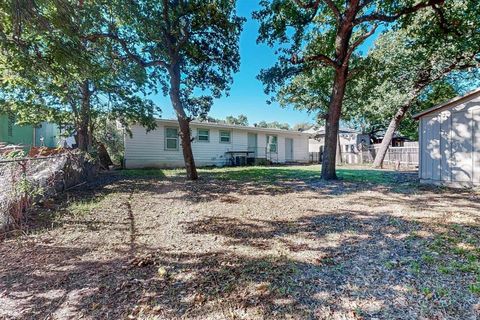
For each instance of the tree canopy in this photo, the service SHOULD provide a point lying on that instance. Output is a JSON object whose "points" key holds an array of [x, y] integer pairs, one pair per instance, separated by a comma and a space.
{"points": [[50, 72], [189, 48], [326, 35]]}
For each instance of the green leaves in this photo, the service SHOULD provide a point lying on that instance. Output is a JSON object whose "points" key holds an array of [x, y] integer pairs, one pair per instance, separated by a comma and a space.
{"points": [[46, 56]]}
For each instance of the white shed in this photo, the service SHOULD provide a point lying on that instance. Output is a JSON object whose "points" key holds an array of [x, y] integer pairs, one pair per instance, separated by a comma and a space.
{"points": [[214, 144], [450, 142]]}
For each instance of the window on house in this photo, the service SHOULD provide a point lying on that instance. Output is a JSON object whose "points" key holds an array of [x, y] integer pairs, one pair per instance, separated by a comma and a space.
{"points": [[225, 136], [11, 121], [171, 139], [272, 143], [203, 135]]}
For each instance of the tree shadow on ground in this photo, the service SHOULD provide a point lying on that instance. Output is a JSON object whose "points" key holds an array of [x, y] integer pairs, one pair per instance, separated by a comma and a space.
{"points": [[348, 264]]}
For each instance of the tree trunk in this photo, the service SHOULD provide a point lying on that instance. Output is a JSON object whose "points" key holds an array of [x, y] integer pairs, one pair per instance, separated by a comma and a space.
{"points": [[83, 137], [338, 157], [333, 124], [387, 139], [105, 160], [183, 122]]}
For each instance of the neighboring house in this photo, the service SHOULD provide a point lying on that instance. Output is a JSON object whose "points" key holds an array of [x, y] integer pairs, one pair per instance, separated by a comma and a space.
{"points": [[214, 144], [450, 142], [27, 135], [350, 140], [397, 140]]}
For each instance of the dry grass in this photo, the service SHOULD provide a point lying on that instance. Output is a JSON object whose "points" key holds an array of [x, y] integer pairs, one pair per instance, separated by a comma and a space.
{"points": [[239, 244]]}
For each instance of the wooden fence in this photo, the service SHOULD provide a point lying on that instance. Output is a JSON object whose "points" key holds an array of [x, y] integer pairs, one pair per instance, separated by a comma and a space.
{"points": [[406, 156]]}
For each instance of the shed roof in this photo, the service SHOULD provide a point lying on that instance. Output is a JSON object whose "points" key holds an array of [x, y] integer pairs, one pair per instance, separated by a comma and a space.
{"points": [[449, 103]]}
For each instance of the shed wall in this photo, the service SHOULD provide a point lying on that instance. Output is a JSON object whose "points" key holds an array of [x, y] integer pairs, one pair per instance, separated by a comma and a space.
{"points": [[450, 145]]}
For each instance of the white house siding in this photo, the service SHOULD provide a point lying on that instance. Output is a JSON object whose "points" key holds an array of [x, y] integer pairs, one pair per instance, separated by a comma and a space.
{"points": [[450, 144], [147, 149]]}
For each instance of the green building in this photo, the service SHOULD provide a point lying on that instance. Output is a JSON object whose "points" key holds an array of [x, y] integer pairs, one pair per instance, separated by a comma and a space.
{"points": [[28, 135]]}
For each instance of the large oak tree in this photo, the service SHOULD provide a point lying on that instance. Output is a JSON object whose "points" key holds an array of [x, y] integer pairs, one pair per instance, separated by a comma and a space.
{"points": [[312, 34]]}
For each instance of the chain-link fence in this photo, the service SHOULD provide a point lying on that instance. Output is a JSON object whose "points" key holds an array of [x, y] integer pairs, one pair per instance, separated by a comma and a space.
{"points": [[25, 180]]}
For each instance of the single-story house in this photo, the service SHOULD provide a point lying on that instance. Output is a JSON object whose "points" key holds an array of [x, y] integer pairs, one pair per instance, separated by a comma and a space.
{"points": [[45, 134], [214, 144], [350, 139], [397, 140], [450, 142], [351, 143]]}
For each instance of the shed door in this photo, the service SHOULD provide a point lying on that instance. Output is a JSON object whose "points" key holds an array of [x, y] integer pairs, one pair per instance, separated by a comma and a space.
{"points": [[476, 146], [462, 146], [288, 149], [445, 146], [252, 142], [430, 148]]}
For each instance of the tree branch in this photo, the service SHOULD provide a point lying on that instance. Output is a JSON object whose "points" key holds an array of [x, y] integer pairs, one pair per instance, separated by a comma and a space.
{"points": [[319, 58], [309, 5], [444, 25], [315, 4], [334, 9], [359, 41], [401, 12], [131, 55]]}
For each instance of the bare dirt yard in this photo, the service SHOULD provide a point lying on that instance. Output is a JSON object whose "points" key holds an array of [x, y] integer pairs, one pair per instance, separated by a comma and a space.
{"points": [[247, 243]]}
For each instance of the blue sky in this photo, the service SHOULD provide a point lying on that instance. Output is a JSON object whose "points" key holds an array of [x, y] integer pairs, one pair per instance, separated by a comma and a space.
{"points": [[246, 95]]}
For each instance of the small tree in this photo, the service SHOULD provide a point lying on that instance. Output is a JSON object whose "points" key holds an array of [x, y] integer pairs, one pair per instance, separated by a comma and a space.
{"points": [[274, 125], [241, 120], [325, 34], [189, 47]]}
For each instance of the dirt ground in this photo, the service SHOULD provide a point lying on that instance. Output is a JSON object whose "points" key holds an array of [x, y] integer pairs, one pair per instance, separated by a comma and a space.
{"points": [[289, 248]]}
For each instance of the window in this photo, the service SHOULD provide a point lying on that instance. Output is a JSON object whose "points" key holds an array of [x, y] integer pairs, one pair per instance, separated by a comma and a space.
{"points": [[272, 143], [225, 136], [171, 139], [203, 135]]}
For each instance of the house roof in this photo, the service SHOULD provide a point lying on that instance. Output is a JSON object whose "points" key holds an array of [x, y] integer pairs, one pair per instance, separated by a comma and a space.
{"points": [[449, 103], [321, 130], [233, 126]]}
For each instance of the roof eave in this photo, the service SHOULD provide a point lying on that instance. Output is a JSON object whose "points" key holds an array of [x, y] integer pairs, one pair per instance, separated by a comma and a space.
{"points": [[227, 126], [447, 104]]}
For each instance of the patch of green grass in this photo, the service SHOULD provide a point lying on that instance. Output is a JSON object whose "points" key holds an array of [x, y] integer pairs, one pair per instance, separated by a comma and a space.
{"points": [[390, 265], [428, 258], [427, 291], [415, 267], [445, 269], [443, 292], [270, 175], [299, 173], [148, 172], [366, 176], [263, 174], [474, 288], [84, 206]]}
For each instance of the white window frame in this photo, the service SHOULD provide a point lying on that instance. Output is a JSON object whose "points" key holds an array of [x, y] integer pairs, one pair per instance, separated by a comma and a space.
{"points": [[269, 144], [171, 138], [229, 136], [198, 135]]}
